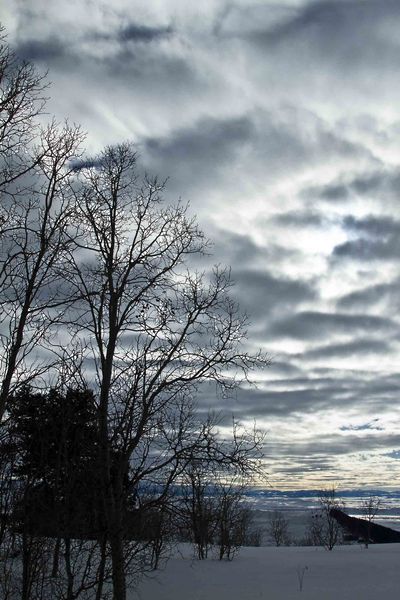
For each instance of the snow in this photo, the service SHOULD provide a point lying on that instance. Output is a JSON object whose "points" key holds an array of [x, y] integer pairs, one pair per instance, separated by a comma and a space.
{"points": [[347, 573]]}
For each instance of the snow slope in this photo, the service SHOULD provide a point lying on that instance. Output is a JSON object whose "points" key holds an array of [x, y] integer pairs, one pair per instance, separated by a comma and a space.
{"points": [[346, 573]]}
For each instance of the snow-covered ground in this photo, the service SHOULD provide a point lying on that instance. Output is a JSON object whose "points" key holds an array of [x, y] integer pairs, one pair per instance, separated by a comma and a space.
{"points": [[346, 573], [349, 572]]}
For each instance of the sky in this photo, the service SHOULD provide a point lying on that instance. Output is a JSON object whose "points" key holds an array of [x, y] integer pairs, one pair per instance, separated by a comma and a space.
{"points": [[279, 121]]}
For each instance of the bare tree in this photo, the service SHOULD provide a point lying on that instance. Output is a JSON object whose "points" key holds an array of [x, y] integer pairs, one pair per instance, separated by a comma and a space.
{"points": [[370, 507], [213, 512], [278, 528], [33, 242], [91, 254], [199, 508], [22, 99], [330, 530], [314, 530], [33, 213], [232, 516], [155, 331], [36, 164]]}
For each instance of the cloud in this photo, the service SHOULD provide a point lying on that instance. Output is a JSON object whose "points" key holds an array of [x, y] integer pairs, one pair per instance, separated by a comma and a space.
{"points": [[380, 239], [300, 218], [283, 368], [332, 192], [372, 183], [358, 347], [260, 293], [298, 396], [370, 426], [50, 50], [315, 325], [337, 31], [372, 225], [368, 250], [380, 183], [209, 142], [242, 250], [142, 33], [85, 163], [218, 162], [387, 294]]}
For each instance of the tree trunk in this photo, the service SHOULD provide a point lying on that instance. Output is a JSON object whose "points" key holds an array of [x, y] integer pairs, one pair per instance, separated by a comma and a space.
{"points": [[56, 558], [118, 566], [112, 504], [26, 566], [116, 537], [68, 569], [111, 477], [102, 567], [116, 533]]}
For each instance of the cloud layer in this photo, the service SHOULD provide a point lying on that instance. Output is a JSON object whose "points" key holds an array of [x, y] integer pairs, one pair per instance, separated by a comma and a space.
{"points": [[280, 123]]}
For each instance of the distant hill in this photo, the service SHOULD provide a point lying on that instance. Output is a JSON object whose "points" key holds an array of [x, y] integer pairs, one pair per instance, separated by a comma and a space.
{"points": [[361, 529]]}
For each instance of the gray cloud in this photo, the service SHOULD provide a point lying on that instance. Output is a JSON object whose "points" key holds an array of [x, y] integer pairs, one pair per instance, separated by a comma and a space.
{"points": [[378, 184], [368, 250], [259, 292], [85, 163], [372, 183], [337, 30], [241, 249], [283, 368], [332, 192], [59, 49], [263, 146], [197, 158], [143, 33], [387, 293], [316, 325], [337, 445], [372, 225], [380, 239], [297, 218], [244, 255], [295, 396], [209, 142], [359, 347], [48, 51]]}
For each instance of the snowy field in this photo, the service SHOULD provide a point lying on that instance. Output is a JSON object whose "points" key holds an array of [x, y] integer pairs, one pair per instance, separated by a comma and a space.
{"points": [[346, 573], [349, 572]]}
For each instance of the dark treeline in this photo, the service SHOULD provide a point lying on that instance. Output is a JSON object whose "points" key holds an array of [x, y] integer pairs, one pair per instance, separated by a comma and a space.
{"points": [[106, 335]]}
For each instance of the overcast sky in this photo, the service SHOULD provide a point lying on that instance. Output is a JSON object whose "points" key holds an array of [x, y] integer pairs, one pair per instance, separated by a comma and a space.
{"points": [[279, 120]]}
